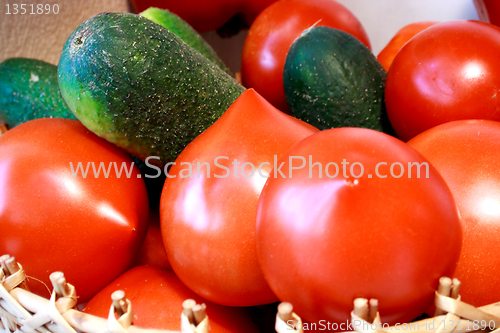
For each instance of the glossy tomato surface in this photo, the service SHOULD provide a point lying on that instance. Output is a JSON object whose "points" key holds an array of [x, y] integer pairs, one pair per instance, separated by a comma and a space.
{"points": [[208, 220], [50, 220], [447, 72], [157, 294], [362, 231], [388, 53], [273, 32], [466, 154]]}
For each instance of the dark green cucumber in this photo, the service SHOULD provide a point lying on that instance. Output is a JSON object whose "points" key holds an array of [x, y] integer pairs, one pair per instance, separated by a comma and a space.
{"points": [[181, 28], [332, 80], [141, 87], [29, 90]]}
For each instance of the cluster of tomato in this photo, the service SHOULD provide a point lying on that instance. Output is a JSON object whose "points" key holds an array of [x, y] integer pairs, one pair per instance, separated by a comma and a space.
{"points": [[250, 237]]}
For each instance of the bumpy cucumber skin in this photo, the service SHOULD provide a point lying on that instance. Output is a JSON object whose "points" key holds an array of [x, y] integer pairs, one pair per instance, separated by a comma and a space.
{"points": [[181, 28], [332, 80], [139, 86], [29, 90]]}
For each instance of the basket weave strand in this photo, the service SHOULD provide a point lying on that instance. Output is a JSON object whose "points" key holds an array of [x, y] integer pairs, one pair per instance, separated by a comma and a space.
{"points": [[23, 311]]}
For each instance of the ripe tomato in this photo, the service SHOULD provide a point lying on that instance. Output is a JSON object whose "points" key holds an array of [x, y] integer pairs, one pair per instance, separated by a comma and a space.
{"points": [[488, 11], [466, 154], [157, 295], [252, 9], [208, 221], [447, 72], [152, 251], [386, 56], [324, 241], [273, 32], [205, 15], [89, 228]]}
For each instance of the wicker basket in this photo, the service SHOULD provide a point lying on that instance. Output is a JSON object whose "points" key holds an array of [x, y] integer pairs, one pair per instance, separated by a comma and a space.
{"points": [[452, 315], [21, 310]]}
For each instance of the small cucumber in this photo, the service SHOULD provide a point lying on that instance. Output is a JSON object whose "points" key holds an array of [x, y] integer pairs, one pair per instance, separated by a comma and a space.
{"points": [[29, 90], [139, 86], [181, 28], [332, 80]]}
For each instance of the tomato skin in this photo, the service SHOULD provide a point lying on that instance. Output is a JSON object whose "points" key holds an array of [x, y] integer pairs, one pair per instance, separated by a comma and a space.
{"points": [[207, 15], [273, 32], [252, 9], [157, 294], [322, 242], [152, 251], [201, 15], [386, 56], [447, 72], [89, 228], [465, 153], [208, 223]]}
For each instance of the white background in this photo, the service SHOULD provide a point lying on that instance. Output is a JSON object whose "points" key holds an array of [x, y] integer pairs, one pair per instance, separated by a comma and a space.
{"points": [[383, 18]]}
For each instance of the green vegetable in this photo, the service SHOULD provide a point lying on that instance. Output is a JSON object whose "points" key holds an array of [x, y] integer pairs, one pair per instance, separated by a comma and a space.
{"points": [[141, 87], [183, 30], [332, 80], [29, 90]]}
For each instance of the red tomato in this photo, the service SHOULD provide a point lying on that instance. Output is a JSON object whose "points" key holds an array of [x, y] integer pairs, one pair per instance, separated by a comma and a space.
{"points": [[205, 15], [252, 9], [447, 72], [488, 11], [152, 251], [324, 241], [466, 154], [157, 294], [208, 221], [386, 56], [272, 34], [89, 228]]}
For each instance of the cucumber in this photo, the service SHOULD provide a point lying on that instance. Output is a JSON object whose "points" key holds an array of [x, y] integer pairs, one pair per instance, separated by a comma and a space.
{"points": [[332, 80], [181, 28], [139, 86], [29, 90]]}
